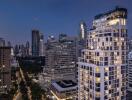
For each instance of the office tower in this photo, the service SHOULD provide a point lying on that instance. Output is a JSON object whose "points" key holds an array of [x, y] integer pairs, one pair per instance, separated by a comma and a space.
{"points": [[60, 60], [81, 43], [35, 42], [83, 31], [5, 69], [102, 66], [41, 46], [130, 71]]}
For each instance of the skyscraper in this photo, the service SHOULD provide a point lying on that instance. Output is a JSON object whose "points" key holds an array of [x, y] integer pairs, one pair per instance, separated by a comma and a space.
{"points": [[41, 46], [60, 60], [81, 43], [102, 66], [27, 48], [35, 42], [83, 31], [5, 69]]}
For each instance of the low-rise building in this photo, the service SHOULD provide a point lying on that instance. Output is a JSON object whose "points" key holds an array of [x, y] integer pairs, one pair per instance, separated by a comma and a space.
{"points": [[64, 90]]}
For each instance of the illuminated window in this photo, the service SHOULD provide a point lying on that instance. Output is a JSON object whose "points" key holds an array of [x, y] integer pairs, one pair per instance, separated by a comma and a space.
{"points": [[97, 80], [114, 22], [106, 69], [97, 69]]}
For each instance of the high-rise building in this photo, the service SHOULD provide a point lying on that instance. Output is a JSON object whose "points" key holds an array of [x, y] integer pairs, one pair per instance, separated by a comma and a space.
{"points": [[81, 43], [60, 60], [5, 69], [83, 31], [27, 48], [35, 42], [102, 66], [41, 46]]}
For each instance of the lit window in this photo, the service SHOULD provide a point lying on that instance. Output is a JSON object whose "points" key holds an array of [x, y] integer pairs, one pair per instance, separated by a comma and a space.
{"points": [[106, 69], [114, 22], [97, 80], [97, 69]]}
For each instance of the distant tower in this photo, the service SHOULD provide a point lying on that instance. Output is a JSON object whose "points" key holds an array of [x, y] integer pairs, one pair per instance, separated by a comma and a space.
{"points": [[83, 31], [16, 50], [35, 42], [41, 46], [2, 42], [9, 43], [27, 48], [81, 44]]}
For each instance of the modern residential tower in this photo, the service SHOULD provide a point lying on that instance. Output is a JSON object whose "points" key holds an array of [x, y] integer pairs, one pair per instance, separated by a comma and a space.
{"points": [[102, 65]]}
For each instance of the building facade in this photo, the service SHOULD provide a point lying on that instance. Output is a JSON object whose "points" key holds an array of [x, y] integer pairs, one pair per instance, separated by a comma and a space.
{"points": [[102, 65], [35, 42], [61, 60], [5, 69], [83, 31], [130, 71], [27, 49], [130, 44], [41, 46]]}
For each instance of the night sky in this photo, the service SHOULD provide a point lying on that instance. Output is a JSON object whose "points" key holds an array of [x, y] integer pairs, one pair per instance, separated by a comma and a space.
{"points": [[51, 17]]}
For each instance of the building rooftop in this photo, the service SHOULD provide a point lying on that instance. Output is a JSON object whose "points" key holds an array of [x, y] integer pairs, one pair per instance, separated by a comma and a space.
{"points": [[64, 85], [109, 12]]}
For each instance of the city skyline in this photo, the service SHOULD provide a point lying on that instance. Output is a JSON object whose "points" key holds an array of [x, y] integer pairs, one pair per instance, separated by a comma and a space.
{"points": [[51, 17], [65, 50]]}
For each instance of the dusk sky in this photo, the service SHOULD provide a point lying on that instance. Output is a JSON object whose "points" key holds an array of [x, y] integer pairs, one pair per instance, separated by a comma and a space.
{"points": [[19, 17]]}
